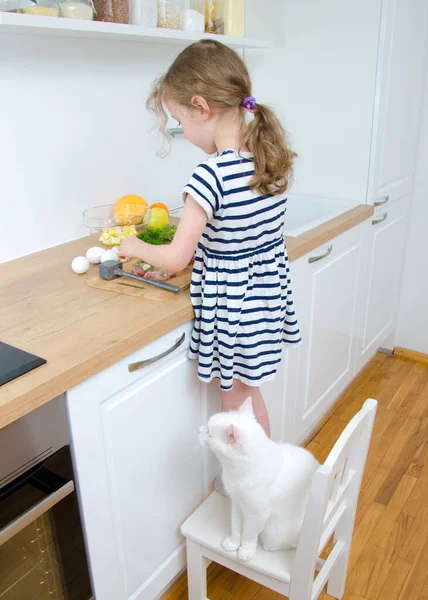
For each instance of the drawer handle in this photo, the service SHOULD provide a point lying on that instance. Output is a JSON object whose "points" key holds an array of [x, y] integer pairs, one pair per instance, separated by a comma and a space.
{"points": [[35, 512], [149, 361], [380, 202], [383, 218], [313, 259]]}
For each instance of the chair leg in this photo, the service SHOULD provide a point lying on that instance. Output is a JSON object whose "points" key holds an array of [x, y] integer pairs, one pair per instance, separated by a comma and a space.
{"points": [[337, 579], [196, 572]]}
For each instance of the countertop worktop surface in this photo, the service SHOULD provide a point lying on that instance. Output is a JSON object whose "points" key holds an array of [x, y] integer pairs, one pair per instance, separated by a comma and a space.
{"points": [[48, 310]]}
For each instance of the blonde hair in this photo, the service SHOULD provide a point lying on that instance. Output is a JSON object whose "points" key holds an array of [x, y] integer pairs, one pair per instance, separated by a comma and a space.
{"points": [[212, 70]]}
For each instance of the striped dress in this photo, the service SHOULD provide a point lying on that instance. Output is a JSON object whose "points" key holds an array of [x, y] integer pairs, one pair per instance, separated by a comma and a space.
{"points": [[240, 287]]}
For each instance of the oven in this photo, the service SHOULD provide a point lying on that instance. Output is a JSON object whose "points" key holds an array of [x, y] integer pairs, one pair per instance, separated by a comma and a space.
{"points": [[42, 551]]}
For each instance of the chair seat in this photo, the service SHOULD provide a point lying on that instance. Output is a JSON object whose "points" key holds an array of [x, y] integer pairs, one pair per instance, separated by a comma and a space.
{"points": [[210, 524]]}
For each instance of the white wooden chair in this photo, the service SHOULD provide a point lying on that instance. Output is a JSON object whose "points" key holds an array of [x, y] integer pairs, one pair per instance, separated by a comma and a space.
{"points": [[300, 573]]}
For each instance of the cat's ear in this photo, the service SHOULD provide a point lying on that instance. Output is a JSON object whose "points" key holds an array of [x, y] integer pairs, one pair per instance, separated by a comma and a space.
{"points": [[234, 435], [246, 407]]}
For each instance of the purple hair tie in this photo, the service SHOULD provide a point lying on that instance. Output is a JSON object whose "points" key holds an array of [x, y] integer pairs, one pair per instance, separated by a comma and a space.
{"points": [[249, 102]]}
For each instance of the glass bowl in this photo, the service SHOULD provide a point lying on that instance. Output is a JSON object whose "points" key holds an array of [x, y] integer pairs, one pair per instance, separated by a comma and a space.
{"points": [[116, 223]]}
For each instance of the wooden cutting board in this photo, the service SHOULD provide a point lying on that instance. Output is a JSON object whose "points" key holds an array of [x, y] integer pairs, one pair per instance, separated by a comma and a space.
{"points": [[130, 287]]}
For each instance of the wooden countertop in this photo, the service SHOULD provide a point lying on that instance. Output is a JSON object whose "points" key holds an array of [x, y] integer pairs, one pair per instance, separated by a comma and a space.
{"points": [[48, 310]]}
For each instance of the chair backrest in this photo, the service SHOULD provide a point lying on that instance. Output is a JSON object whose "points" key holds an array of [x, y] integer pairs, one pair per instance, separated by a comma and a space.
{"points": [[333, 498]]}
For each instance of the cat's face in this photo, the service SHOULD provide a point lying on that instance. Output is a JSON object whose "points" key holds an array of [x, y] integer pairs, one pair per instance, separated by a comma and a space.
{"points": [[229, 434]]}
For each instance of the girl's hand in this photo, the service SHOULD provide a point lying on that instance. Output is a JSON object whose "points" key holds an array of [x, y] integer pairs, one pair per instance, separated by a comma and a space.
{"points": [[130, 247]]}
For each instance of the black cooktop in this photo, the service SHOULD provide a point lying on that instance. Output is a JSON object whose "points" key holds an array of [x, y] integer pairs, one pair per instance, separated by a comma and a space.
{"points": [[15, 362]]}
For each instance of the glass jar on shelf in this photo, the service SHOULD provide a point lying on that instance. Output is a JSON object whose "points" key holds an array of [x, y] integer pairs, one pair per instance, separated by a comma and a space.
{"points": [[45, 8], [215, 16], [144, 12], [76, 9], [169, 14], [193, 15], [112, 11], [235, 18]]}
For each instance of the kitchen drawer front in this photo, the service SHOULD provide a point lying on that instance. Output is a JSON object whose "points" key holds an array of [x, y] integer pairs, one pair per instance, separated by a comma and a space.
{"points": [[157, 354], [386, 201]]}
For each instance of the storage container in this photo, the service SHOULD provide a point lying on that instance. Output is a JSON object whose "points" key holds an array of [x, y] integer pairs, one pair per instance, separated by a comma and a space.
{"points": [[112, 11], [76, 9], [215, 16], [144, 12], [235, 18], [193, 15], [44, 8], [169, 14]]}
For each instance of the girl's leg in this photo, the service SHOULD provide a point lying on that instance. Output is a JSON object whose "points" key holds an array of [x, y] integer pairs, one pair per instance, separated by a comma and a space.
{"points": [[233, 399]]}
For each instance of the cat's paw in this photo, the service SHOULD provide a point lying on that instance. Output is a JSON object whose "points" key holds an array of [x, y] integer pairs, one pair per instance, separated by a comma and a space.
{"points": [[230, 545], [246, 553]]}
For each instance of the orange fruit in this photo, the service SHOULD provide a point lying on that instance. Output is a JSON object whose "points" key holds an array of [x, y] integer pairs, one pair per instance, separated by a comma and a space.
{"points": [[130, 210], [160, 205]]}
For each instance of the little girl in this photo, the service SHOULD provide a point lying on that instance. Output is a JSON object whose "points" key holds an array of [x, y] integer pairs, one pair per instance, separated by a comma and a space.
{"points": [[233, 216]]}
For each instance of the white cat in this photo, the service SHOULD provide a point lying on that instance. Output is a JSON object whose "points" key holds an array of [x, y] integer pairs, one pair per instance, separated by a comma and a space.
{"points": [[268, 483]]}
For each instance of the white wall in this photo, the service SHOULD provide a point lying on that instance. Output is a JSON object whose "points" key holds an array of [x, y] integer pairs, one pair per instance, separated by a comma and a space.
{"points": [[412, 328], [74, 133], [322, 82]]}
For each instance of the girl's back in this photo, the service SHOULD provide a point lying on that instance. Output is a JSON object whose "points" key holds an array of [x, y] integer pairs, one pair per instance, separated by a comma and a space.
{"points": [[243, 219]]}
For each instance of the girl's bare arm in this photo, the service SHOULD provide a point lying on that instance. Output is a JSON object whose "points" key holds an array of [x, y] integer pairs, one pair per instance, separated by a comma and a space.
{"points": [[176, 256]]}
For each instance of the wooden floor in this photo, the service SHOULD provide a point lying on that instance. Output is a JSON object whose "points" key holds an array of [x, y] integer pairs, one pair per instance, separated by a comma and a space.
{"points": [[389, 557]]}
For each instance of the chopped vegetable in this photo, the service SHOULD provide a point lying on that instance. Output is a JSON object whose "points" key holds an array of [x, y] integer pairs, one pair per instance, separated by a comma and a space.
{"points": [[113, 236], [157, 237]]}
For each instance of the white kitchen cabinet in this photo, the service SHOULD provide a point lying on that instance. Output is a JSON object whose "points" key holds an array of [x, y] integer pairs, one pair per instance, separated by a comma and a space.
{"points": [[211, 401], [275, 394], [398, 99], [383, 267], [326, 283], [139, 468]]}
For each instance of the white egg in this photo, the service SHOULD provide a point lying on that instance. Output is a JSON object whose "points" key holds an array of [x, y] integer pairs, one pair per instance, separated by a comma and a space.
{"points": [[109, 255], [94, 255], [80, 265]]}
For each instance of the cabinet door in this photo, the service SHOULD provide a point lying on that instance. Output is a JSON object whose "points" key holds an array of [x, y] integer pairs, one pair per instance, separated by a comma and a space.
{"points": [[398, 98], [139, 470], [274, 394], [327, 294], [211, 405], [383, 273]]}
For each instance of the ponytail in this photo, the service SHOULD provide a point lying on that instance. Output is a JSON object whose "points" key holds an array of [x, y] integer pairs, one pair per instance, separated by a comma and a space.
{"points": [[266, 139]]}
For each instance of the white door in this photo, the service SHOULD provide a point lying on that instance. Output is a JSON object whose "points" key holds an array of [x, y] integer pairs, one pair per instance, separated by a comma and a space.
{"points": [[398, 99], [326, 282], [383, 268], [139, 468]]}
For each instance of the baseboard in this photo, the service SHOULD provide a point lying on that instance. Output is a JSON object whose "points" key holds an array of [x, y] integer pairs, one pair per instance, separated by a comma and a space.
{"points": [[412, 354], [385, 351]]}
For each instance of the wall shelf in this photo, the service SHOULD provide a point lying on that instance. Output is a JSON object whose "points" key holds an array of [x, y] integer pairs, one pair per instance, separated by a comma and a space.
{"points": [[53, 26]]}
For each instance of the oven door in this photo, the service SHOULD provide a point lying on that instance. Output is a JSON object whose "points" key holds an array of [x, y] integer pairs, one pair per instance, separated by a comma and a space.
{"points": [[42, 553]]}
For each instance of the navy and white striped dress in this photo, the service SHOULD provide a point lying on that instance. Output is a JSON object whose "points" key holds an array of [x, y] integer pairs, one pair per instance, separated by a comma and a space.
{"points": [[240, 287]]}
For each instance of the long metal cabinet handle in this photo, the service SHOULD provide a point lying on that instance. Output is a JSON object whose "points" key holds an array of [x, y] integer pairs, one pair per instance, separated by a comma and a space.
{"points": [[33, 513], [149, 361], [380, 202], [383, 218], [313, 259]]}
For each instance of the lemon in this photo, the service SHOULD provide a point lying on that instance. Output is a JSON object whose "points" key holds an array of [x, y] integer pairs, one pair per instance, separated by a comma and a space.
{"points": [[158, 218]]}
